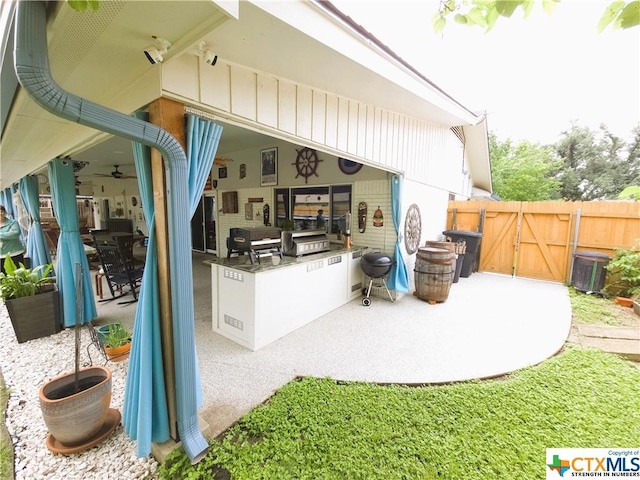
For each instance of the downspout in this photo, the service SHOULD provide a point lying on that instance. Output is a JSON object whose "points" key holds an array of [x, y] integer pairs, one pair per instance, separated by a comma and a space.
{"points": [[32, 70]]}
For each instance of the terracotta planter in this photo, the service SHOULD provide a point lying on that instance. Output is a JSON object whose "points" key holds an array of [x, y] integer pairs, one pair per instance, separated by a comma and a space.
{"points": [[118, 354], [625, 302], [36, 316], [75, 418]]}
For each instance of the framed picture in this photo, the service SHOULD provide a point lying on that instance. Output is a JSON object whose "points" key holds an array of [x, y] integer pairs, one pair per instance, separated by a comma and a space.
{"points": [[222, 172], [269, 167], [248, 211]]}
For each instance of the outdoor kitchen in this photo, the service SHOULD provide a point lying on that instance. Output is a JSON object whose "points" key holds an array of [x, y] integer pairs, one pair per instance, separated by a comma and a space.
{"points": [[272, 282]]}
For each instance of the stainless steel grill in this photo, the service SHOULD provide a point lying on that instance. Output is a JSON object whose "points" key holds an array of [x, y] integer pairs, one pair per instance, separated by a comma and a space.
{"points": [[256, 242]]}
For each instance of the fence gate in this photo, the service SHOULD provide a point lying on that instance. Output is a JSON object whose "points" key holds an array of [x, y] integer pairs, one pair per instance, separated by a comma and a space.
{"points": [[538, 239]]}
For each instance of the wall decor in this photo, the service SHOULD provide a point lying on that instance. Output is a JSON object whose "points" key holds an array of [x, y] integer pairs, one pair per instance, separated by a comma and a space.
{"points": [[269, 167], [349, 167], [248, 211], [378, 219], [412, 229], [243, 170], [229, 202], [255, 200], [214, 184], [307, 163], [362, 217], [222, 172]]}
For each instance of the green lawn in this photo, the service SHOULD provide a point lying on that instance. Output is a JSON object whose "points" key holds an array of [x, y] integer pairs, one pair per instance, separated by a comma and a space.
{"points": [[6, 447], [320, 429]]}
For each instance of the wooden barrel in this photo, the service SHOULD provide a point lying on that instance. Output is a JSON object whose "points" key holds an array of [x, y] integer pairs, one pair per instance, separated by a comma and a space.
{"points": [[456, 247], [434, 271]]}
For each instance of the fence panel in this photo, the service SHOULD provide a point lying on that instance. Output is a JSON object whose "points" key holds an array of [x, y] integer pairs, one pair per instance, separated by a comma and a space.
{"points": [[538, 239]]}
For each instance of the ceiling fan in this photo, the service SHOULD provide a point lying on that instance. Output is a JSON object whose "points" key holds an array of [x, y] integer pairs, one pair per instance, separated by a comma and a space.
{"points": [[115, 174]]}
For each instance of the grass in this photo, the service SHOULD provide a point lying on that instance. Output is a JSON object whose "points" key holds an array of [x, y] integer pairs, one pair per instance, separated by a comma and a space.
{"points": [[594, 309], [321, 429], [6, 446]]}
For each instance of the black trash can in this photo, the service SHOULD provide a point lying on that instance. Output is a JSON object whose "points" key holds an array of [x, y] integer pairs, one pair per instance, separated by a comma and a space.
{"points": [[459, 263], [588, 273], [472, 240]]}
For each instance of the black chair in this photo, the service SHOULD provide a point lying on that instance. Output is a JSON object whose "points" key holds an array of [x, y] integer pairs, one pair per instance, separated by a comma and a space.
{"points": [[125, 243], [119, 271]]}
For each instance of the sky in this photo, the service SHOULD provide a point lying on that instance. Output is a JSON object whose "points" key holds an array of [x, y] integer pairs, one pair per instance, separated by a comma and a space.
{"points": [[533, 77]]}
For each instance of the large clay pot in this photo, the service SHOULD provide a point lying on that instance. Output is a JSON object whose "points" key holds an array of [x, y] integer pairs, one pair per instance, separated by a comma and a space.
{"points": [[72, 417]]}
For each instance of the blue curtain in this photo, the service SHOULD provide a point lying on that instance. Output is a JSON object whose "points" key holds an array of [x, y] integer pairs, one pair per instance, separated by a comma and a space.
{"points": [[70, 248], [399, 276], [37, 249], [145, 416], [203, 137], [7, 201]]}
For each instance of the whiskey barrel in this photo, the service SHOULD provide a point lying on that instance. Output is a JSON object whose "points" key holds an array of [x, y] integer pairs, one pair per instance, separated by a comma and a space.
{"points": [[434, 271]]}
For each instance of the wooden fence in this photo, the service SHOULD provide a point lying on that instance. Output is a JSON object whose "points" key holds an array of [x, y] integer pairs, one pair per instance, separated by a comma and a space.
{"points": [[538, 239]]}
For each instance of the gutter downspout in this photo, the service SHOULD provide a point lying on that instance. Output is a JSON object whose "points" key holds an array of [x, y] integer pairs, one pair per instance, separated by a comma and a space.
{"points": [[32, 70]]}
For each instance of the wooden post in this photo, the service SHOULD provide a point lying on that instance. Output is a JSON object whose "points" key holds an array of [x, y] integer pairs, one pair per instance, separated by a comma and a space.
{"points": [[168, 115]]}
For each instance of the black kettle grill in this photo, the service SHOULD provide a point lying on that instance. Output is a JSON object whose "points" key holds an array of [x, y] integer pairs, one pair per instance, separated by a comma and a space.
{"points": [[377, 266]]}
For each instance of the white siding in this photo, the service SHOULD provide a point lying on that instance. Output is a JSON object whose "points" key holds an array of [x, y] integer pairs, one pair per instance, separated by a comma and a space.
{"points": [[422, 151]]}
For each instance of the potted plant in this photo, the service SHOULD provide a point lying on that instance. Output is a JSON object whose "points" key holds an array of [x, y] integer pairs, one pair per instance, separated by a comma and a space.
{"points": [[32, 300], [75, 406], [116, 342]]}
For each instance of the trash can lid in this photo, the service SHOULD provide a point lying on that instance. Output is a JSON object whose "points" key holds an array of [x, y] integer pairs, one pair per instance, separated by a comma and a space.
{"points": [[467, 233], [592, 255]]}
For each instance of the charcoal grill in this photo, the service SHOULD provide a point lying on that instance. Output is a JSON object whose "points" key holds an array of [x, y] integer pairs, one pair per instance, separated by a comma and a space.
{"points": [[376, 266]]}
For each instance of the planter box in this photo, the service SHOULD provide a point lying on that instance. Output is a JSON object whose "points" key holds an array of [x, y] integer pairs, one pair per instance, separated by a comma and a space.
{"points": [[37, 316]]}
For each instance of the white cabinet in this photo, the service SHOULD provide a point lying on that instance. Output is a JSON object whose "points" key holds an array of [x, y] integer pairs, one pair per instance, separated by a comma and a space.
{"points": [[257, 308]]}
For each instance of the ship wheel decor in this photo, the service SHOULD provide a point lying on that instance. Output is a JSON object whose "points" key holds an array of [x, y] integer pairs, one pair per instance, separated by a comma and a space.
{"points": [[412, 229], [307, 163]]}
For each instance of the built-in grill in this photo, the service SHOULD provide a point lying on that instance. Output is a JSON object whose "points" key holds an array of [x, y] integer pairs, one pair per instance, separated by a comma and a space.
{"points": [[304, 242], [257, 242]]}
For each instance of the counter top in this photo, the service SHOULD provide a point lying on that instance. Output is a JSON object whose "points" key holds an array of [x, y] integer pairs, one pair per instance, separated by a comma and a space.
{"points": [[243, 263]]}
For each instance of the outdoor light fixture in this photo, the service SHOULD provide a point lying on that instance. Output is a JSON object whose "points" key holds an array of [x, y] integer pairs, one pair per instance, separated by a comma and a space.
{"points": [[206, 54], [154, 53]]}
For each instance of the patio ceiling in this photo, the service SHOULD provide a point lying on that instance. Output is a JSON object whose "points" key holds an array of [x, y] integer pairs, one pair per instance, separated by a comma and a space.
{"points": [[99, 56]]}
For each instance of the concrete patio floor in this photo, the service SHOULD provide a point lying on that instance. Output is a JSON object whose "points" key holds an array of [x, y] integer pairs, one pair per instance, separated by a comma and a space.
{"points": [[490, 325]]}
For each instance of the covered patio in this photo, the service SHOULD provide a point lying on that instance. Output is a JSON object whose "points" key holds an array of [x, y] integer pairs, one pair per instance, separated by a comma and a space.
{"points": [[490, 325]]}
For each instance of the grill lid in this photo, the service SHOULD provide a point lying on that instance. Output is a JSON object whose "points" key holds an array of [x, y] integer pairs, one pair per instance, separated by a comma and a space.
{"points": [[378, 259]]}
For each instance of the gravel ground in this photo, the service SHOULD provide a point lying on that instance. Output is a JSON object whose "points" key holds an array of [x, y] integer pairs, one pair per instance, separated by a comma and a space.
{"points": [[25, 367]]}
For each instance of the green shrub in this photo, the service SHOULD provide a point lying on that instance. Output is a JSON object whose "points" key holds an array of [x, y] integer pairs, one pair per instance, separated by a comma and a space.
{"points": [[624, 273]]}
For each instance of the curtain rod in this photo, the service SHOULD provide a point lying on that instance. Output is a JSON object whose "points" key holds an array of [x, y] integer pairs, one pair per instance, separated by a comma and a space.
{"points": [[200, 113]]}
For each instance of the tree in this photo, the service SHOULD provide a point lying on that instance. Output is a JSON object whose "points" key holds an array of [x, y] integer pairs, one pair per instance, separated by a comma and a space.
{"points": [[84, 5], [523, 172], [597, 165], [485, 13]]}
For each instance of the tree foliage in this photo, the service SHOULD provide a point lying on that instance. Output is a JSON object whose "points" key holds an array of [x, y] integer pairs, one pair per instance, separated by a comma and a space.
{"points": [[485, 13], [523, 172], [84, 5], [597, 165]]}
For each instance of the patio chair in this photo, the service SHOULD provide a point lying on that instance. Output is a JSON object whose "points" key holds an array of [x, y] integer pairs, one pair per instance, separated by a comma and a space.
{"points": [[119, 272], [126, 242]]}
